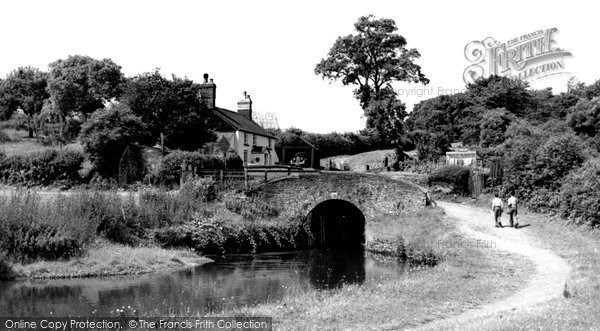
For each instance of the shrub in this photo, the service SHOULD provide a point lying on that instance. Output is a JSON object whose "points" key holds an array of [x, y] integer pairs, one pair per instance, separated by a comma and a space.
{"points": [[4, 137], [457, 176], [31, 229], [107, 134], [202, 189], [41, 168], [234, 161], [579, 196], [170, 168], [229, 239], [6, 271], [250, 208], [535, 173]]}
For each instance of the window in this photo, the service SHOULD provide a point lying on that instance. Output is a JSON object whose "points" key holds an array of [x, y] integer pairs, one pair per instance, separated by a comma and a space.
{"points": [[245, 138], [254, 139], [245, 156]]}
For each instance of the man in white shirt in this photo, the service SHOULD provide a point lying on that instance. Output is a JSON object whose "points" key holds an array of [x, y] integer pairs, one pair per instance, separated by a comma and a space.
{"points": [[512, 210], [497, 206]]}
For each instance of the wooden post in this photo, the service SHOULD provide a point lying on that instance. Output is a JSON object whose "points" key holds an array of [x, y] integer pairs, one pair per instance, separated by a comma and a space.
{"points": [[312, 159], [266, 175], [221, 175], [245, 178]]}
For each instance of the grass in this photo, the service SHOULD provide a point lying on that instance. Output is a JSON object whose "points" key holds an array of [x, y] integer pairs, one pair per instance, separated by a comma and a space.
{"points": [[466, 277], [578, 308], [108, 259], [20, 144]]}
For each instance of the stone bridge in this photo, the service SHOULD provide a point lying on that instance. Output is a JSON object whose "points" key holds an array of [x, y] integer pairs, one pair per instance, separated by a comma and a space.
{"points": [[341, 207]]}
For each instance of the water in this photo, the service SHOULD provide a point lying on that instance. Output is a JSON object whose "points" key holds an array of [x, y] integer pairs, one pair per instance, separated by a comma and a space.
{"points": [[226, 283]]}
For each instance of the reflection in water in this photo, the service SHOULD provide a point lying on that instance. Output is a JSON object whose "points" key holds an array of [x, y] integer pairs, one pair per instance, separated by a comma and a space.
{"points": [[226, 283]]}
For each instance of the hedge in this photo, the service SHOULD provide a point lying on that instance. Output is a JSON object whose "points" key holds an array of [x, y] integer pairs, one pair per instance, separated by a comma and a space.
{"points": [[41, 168], [456, 175]]}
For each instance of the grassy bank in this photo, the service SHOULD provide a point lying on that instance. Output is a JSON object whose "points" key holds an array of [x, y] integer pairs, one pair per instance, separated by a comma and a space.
{"points": [[466, 276], [108, 259], [578, 307]]}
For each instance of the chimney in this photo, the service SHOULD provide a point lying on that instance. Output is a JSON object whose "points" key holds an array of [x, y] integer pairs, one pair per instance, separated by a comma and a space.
{"points": [[208, 92], [245, 106]]}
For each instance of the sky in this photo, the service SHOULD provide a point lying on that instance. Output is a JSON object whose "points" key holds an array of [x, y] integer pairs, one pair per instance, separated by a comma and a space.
{"points": [[270, 48]]}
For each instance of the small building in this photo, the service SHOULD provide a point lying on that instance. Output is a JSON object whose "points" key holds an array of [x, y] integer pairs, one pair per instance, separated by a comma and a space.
{"points": [[237, 131], [301, 153], [459, 155]]}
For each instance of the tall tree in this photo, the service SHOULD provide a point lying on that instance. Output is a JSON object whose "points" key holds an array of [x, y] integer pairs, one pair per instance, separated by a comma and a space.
{"points": [[25, 89], [81, 84], [372, 59], [170, 108], [386, 115]]}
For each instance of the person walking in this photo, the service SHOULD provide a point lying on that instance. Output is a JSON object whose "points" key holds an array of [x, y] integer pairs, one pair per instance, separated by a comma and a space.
{"points": [[497, 206], [512, 210]]}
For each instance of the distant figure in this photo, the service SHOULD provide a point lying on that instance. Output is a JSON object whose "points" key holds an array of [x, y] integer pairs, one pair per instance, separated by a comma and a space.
{"points": [[512, 210], [497, 206]]}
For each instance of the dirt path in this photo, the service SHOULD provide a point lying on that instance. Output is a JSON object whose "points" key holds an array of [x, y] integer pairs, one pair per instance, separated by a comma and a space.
{"points": [[548, 282]]}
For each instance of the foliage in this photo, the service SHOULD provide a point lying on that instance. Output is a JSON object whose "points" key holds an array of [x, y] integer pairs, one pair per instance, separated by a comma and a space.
{"points": [[81, 84], [25, 89], [494, 124], [4, 137], [372, 59], [41, 168], [107, 134], [501, 92], [385, 114], [33, 229], [457, 176], [169, 107], [250, 207], [170, 168], [579, 195], [202, 189], [6, 271], [536, 166], [331, 144], [430, 146], [584, 117]]}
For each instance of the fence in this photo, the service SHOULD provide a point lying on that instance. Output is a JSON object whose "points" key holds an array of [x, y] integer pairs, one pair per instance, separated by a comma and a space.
{"points": [[250, 176]]}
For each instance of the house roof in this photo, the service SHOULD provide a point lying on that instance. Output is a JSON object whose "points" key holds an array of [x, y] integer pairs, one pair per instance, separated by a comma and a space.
{"points": [[241, 122], [299, 141]]}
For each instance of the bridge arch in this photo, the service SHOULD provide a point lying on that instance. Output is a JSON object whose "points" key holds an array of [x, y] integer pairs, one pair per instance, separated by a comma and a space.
{"points": [[337, 223]]}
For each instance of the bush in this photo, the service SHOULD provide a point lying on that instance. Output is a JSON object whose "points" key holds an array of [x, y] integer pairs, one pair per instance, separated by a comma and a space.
{"points": [[31, 229], [107, 134], [6, 271], [535, 171], [579, 196], [229, 239], [41, 168], [457, 176], [4, 138], [170, 168], [250, 208], [202, 189]]}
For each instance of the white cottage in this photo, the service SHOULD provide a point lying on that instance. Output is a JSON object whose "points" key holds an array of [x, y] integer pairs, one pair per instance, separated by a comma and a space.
{"points": [[238, 131]]}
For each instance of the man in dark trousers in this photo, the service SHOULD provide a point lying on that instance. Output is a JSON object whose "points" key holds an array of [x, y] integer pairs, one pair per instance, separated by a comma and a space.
{"points": [[497, 206], [512, 210]]}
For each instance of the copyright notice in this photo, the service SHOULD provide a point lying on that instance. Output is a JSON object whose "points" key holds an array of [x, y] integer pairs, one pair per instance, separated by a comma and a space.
{"points": [[136, 323]]}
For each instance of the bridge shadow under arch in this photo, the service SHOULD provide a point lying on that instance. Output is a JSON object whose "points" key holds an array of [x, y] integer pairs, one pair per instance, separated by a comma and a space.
{"points": [[338, 224]]}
